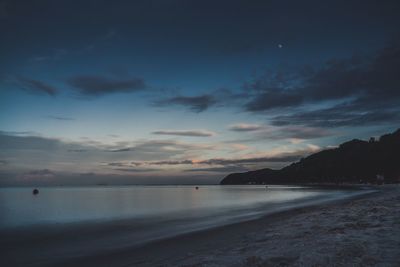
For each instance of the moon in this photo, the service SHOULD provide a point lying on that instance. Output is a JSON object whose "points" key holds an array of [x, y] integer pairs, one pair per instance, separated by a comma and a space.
{"points": [[280, 45]]}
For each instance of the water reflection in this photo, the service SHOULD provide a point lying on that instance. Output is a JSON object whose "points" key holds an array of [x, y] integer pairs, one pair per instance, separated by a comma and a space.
{"points": [[19, 207]]}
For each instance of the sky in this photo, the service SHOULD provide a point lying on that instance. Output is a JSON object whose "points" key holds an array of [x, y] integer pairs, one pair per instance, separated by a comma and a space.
{"points": [[182, 92]]}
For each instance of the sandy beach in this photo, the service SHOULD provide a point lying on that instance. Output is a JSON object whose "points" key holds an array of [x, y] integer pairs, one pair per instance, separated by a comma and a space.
{"points": [[364, 231]]}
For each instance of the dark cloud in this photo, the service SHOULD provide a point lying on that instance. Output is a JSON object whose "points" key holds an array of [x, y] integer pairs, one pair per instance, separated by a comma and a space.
{"points": [[274, 98], [18, 141], [173, 162], [19, 133], [38, 175], [225, 169], [116, 164], [40, 172], [160, 162], [77, 150], [15, 142], [193, 103], [168, 145], [195, 133], [298, 132], [282, 129], [60, 118], [368, 86], [305, 132], [135, 170], [156, 150], [87, 174], [287, 157], [27, 152], [36, 86], [127, 149], [337, 116], [283, 157], [3, 162], [93, 85]]}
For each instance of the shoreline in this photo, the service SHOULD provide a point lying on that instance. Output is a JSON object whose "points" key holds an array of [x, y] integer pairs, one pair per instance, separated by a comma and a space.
{"points": [[270, 240], [229, 245], [226, 245]]}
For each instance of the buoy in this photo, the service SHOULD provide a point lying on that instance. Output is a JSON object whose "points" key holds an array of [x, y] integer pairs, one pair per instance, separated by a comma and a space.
{"points": [[35, 191]]}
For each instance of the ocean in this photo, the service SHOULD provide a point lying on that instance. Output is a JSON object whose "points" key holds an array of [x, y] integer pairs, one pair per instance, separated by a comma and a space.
{"points": [[100, 204]]}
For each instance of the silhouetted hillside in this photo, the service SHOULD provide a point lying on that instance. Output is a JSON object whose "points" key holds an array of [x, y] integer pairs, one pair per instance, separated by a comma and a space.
{"points": [[351, 162]]}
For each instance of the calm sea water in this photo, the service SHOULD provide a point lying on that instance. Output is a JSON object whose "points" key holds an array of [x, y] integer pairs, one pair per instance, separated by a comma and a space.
{"points": [[205, 205]]}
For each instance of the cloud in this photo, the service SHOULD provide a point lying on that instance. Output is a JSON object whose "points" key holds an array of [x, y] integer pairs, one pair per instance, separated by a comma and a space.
{"points": [[292, 133], [36, 86], [135, 170], [17, 142], [219, 165], [40, 172], [296, 132], [30, 142], [43, 174], [282, 157], [275, 157], [18, 133], [244, 127], [225, 169], [86, 154], [60, 118], [305, 132], [338, 116], [193, 103], [276, 98], [353, 91], [77, 150], [118, 164], [314, 148], [94, 85], [195, 133], [160, 162], [154, 152], [170, 146], [29, 152], [120, 150], [239, 147]]}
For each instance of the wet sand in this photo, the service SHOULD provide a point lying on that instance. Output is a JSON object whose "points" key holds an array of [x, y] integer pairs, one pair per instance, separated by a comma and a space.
{"points": [[362, 231]]}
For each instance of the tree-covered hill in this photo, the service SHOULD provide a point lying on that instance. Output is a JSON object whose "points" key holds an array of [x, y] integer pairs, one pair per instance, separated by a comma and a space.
{"points": [[352, 162]]}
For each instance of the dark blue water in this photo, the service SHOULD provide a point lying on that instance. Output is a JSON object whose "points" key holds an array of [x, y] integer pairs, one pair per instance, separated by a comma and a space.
{"points": [[19, 207]]}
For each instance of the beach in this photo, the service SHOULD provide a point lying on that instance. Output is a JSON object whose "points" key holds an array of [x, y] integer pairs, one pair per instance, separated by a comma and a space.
{"points": [[360, 231]]}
